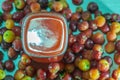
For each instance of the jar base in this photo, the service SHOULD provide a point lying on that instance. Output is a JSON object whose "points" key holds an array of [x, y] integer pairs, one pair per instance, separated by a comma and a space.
{"points": [[48, 60]]}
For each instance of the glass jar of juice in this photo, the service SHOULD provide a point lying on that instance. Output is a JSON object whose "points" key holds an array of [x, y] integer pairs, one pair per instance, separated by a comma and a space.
{"points": [[44, 36]]}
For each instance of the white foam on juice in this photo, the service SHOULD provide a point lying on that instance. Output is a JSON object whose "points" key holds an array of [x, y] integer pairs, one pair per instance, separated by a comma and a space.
{"points": [[40, 36]]}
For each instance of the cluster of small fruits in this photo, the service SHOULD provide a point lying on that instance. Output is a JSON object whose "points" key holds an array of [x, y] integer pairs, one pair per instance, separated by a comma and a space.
{"points": [[84, 58]]}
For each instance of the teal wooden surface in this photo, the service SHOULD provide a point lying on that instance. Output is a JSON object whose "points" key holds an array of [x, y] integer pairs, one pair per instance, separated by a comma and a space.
{"points": [[104, 5]]}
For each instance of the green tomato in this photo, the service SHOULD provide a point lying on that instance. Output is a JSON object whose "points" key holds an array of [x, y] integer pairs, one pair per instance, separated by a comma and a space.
{"points": [[50, 4], [19, 4], [2, 74], [8, 36], [27, 78], [1, 38], [84, 64], [64, 3], [79, 9], [1, 13]]}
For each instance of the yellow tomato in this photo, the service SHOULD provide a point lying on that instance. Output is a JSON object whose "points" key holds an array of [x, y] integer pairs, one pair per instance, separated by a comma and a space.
{"points": [[115, 27], [100, 21], [84, 64], [94, 74], [9, 24]]}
